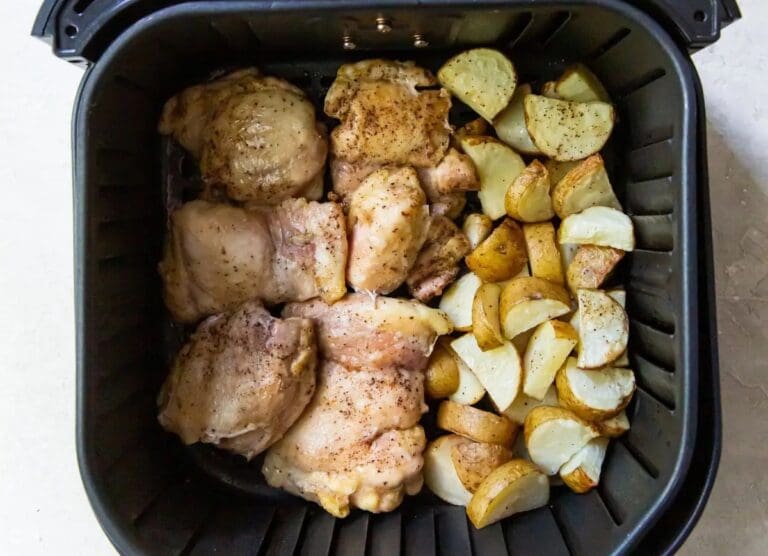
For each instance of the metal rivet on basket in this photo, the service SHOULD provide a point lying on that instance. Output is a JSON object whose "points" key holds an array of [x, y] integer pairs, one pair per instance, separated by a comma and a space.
{"points": [[348, 43], [419, 41], [383, 25]]}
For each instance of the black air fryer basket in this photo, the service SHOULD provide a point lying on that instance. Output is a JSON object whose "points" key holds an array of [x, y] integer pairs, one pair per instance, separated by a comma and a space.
{"points": [[153, 496]]}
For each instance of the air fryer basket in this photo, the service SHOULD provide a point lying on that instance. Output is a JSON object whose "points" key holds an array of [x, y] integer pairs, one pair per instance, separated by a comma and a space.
{"points": [[152, 495]]}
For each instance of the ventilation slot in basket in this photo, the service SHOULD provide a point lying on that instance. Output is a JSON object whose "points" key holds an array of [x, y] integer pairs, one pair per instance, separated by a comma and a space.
{"points": [[318, 533], [453, 534]]}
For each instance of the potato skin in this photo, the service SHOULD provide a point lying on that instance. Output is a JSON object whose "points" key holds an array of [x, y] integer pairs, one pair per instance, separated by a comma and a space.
{"points": [[585, 185], [442, 373], [591, 265], [569, 400], [527, 288], [578, 481], [476, 424], [543, 253], [477, 227], [474, 461], [501, 256], [486, 325]]}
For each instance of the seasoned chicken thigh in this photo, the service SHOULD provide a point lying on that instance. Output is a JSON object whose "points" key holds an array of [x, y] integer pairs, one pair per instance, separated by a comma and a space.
{"points": [[255, 137], [447, 183], [384, 118], [241, 381], [218, 256], [387, 224]]}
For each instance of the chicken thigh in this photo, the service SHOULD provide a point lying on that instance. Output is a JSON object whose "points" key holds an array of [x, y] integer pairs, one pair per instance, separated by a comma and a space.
{"points": [[241, 381], [387, 225], [255, 136], [218, 256], [447, 183]]}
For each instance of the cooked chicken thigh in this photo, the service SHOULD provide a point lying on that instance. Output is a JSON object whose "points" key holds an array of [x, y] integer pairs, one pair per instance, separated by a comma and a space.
{"points": [[384, 118], [218, 256], [241, 381], [366, 332], [256, 137], [438, 262], [357, 444], [446, 183], [387, 225]]}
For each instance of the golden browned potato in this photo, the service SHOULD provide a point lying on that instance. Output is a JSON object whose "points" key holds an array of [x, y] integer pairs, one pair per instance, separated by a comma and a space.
{"points": [[440, 474], [477, 227], [579, 84], [517, 486], [566, 130], [615, 426], [527, 199], [527, 302], [603, 329], [474, 461], [476, 424], [595, 395], [458, 299], [543, 255], [582, 472], [547, 350], [470, 390], [585, 185], [485, 317], [510, 124], [553, 435], [591, 265], [442, 374], [501, 256], [558, 170], [482, 78], [598, 226], [477, 126]]}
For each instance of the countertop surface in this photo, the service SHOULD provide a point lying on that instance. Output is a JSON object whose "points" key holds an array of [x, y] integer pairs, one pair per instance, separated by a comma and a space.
{"points": [[43, 507]]}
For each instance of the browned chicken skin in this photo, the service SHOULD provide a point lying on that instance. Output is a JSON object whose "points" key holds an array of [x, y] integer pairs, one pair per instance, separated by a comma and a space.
{"points": [[447, 183], [241, 381], [218, 256]]}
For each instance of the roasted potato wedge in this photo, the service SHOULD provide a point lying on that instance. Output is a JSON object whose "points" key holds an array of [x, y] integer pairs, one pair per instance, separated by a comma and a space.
{"points": [[603, 329], [559, 169], [477, 227], [595, 395], [620, 296], [582, 472], [579, 84], [517, 486], [477, 126], [591, 265], [527, 198], [527, 302], [598, 226], [553, 435], [476, 424], [543, 253], [510, 124], [613, 427], [486, 325], [474, 461], [440, 475], [442, 375], [499, 370], [501, 255], [584, 186], [457, 301], [497, 167], [482, 78], [548, 348], [523, 404], [470, 390], [566, 130]]}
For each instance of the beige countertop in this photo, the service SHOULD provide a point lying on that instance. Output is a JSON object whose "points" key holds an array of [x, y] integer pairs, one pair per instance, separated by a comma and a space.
{"points": [[43, 507]]}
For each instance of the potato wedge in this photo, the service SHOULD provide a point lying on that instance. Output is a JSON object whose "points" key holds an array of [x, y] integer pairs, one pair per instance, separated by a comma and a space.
{"points": [[527, 198], [582, 472], [594, 395], [566, 130], [474, 461], [527, 302], [457, 301], [499, 370], [620, 296], [523, 404], [598, 226], [497, 167], [548, 89], [517, 486], [470, 390], [579, 84], [548, 348], [441, 378], [543, 253], [586, 185], [477, 126], [510, 124], [603, 329], [591, 265], [482, 78], [486, 325], [439, 472], [559, 169], [553, 435], [476, 424], [477, 227], [613, 427], [501, 255]]}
